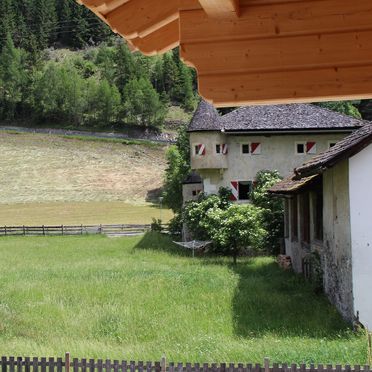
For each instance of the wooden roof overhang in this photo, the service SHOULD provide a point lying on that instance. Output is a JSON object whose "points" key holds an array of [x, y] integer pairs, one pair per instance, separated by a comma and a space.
{"points": [[256, 51]]}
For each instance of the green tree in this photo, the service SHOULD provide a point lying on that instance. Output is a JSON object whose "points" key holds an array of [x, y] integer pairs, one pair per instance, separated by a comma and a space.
{"points": [[178, 161], [11, 79], [142, 104], [272, 208], [236, 228], [58, 94], [125, 68], [343, 107], [103, 103]]}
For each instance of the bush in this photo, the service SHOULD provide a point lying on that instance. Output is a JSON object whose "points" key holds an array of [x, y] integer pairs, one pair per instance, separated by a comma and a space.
{"points": [[175, 225], [156, 225], [232, 227], [272, 209]]}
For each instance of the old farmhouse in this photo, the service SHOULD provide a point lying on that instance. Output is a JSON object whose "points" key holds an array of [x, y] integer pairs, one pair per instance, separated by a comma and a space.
{"points": [[229, 150], [328, 211]]}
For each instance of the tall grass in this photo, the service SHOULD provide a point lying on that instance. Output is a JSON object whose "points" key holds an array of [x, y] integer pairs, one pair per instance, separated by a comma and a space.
{"points": [[140, 298]]}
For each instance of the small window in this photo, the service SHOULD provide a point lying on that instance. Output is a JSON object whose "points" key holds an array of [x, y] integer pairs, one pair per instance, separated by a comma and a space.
{"points": [[196, 149], [196, 192], [300, 148], [245, 188], [245, 148], [331, 144], [218, 149]]}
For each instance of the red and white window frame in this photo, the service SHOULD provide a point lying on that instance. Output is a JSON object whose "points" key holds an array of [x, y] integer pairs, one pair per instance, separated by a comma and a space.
{"points": [[309, 147], [255, 148], [199, 149], [221, 149]]}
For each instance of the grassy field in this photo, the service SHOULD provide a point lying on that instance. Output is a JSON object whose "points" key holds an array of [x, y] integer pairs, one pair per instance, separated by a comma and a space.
{"points": [[52, 179], [140, 298], [80, 213]]}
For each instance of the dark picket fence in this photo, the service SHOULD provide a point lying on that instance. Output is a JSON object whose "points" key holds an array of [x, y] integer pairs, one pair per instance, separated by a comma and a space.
{"points": [[119, 229], [12, 364]]}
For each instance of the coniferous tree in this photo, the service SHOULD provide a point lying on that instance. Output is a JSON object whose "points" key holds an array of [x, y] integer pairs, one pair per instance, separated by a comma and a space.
{"points": [[142, 105], [11, 78]]}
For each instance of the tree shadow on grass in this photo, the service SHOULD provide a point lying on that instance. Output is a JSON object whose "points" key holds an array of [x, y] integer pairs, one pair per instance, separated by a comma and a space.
{"points": [[161, 242], [268, 300]]}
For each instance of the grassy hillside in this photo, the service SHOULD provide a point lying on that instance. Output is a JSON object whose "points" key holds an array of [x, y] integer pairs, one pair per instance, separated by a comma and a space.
{"points": [[51, 179], [141, 298]]}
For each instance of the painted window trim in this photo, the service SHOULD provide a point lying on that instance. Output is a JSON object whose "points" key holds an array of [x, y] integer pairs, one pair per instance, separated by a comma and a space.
{"points": [[250, 153], [195, 154], [300, 143]]}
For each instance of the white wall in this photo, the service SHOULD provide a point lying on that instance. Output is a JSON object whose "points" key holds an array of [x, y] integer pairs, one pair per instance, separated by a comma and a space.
{"points": [[360, 175], [277, 153]]}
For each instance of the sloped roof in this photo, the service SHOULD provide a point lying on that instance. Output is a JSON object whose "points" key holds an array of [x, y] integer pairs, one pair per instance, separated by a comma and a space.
{"points": [[343, 149], [291, 184], [293, 117], [206, 118], [193, 177]]}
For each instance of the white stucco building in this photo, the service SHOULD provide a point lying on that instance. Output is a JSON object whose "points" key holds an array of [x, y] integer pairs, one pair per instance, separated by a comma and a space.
{"points": [[229, 150], [329, 211]]}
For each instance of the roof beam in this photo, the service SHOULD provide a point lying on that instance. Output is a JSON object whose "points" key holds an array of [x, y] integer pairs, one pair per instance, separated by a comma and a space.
{"points": [[221, 8]]}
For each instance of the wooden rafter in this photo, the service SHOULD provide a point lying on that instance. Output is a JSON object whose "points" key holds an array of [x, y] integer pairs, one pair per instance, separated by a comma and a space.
{"points": [[256, 51], [220, 8]]}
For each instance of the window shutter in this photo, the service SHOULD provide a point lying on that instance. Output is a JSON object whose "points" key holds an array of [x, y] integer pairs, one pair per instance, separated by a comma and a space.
{"points": [[234, 190], [256, 148], [311, 147]]}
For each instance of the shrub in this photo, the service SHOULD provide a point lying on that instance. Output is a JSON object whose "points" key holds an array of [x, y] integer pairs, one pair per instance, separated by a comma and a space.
{"points": [[156, 225], [272, 209]]}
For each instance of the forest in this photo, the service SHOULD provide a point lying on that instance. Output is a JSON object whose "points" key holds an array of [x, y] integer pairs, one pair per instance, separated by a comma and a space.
{"points": [[60, 64]]}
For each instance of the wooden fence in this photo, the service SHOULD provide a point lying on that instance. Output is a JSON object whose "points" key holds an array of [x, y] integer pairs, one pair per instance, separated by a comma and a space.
{"points": [[20, 364], [74, 230]]}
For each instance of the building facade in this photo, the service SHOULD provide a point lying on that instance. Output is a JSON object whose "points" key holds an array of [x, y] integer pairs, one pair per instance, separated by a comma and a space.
{"points": [[229, 150], [328, 212]]}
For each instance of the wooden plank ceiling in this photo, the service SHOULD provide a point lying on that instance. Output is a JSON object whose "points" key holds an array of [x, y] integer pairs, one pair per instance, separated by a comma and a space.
{"points": [[256, 51]]}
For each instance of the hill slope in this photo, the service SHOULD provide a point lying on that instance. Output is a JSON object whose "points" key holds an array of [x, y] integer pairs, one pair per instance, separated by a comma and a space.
{"points": [[67, 180]]}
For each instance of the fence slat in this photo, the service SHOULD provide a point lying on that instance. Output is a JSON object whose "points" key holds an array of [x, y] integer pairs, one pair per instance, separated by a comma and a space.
{"points": [[3, 364], [27, 364], [11, 364], [59, 364]]}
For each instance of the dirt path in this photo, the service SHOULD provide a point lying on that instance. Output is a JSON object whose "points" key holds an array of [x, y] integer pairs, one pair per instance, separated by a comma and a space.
{"points": [[161, 137]]}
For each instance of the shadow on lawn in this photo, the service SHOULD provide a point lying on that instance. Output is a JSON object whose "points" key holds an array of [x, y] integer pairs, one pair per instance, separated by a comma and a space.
{"points": [[267, 299]]}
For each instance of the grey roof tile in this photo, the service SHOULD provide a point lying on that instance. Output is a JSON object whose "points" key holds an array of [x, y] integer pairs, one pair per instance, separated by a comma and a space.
{"points": [[343, 149], [292, 117]]}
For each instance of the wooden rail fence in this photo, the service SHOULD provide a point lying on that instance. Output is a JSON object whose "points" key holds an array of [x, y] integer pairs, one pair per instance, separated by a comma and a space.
{"points": [[67, 364], [122, 229]]}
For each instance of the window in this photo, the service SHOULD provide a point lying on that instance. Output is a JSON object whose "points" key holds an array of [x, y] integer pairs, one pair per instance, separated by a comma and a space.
{"points": [[244, 189], [300, 148], [318, 215], [286, 218], [305, 218], [331, 143], [199, 149], [294, 218], [221, 148], [196, 192], [245, 148]]}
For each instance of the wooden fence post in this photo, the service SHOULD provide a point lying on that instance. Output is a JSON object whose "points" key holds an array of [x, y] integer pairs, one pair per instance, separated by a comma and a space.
{"points": [[81, 229], [267, 364], [163, 364], [67, 362], [24, 230], [62, 229], [43, 230], [5, 229]]}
